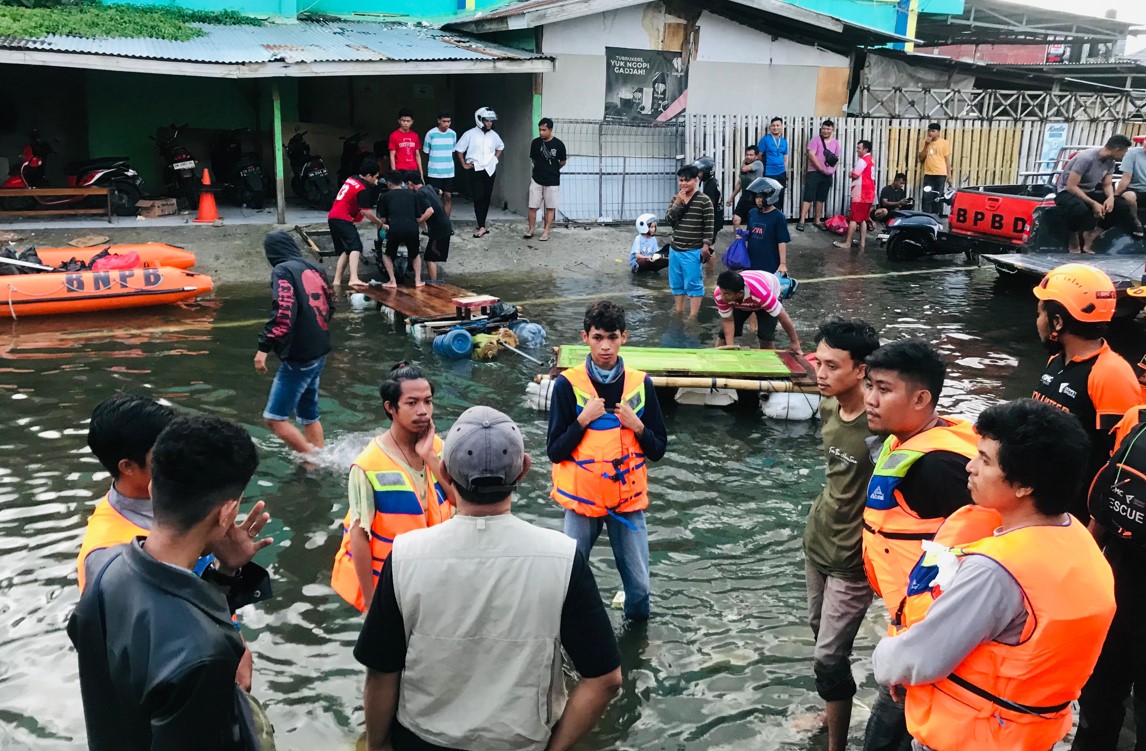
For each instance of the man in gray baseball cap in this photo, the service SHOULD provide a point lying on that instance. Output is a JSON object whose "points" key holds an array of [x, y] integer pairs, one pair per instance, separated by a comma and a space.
{"points": [[463, 639]]}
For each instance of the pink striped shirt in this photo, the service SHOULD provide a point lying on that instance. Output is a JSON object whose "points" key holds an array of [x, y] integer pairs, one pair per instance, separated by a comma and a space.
{"points": [[761, 292]]}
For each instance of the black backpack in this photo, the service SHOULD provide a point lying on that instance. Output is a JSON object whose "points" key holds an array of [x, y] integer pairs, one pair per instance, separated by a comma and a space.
{"points": [[1118, 495]]}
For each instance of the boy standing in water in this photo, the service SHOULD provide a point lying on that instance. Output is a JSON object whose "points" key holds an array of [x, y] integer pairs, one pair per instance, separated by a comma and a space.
{"points": [[299, 333], [838, 591], [605, 424]]}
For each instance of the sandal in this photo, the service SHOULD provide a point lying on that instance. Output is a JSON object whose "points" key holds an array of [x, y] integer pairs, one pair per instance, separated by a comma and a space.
{"points": [[481, 233], [543, 238], [527, 236], [800, 227]]}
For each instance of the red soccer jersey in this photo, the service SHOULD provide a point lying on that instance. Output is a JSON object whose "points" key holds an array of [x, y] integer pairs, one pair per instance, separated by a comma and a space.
{"points": [[405, 147], [346, 202]]}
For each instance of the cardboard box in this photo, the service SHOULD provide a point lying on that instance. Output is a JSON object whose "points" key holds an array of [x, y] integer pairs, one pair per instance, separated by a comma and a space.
{"points": [[152, 208]]}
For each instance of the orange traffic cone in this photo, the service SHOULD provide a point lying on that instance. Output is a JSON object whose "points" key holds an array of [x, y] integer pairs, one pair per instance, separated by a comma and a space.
{"points": [[208, 211]]}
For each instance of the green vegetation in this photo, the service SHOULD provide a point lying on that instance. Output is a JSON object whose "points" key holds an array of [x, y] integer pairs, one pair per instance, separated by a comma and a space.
{"points": [[84, 18]]}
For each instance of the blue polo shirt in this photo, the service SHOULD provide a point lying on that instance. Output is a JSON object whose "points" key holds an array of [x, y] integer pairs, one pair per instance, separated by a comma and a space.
{"points": [[774, 151]]}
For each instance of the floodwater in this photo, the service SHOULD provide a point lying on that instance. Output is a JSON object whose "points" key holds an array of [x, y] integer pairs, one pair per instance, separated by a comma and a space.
{"points": [[725, 661]]}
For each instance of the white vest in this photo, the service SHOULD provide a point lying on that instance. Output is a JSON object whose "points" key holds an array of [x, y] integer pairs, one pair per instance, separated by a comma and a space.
{"points": [[481, 601]]}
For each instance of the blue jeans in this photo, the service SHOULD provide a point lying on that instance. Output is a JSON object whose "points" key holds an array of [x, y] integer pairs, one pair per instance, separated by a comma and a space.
{"points": [[630, 551], [295, 390], [686, 277]]}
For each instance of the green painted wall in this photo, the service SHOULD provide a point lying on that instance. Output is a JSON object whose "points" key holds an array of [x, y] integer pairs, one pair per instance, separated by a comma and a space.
{"points": [[204, 103]]}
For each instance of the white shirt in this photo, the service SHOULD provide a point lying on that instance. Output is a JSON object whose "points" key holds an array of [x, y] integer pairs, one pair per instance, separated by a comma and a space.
{"points": [[480, 147]]}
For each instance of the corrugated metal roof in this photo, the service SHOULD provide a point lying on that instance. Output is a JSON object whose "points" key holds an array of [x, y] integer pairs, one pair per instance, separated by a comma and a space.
{"points": [[301, 42]]}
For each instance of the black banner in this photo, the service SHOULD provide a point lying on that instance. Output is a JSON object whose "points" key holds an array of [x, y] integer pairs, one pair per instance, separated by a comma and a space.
{"points": [[643, 86]]}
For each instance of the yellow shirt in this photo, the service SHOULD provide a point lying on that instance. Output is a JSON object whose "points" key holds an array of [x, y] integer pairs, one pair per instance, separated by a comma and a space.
{"points": [[361, 494], [935, 160]]}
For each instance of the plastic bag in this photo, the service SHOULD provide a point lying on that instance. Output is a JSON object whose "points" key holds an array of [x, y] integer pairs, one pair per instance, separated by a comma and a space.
{"points": [[114, 261], [736, 257], [837, 224]]}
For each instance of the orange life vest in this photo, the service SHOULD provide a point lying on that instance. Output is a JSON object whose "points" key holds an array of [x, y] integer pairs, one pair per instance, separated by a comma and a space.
{"points": [[606, 473], [106, 528], [1017, 697], [397, 509], [892, 532]]}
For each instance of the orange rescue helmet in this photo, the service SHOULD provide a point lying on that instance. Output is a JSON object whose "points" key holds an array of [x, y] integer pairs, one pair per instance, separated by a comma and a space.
{"points": [[1085, 291]]}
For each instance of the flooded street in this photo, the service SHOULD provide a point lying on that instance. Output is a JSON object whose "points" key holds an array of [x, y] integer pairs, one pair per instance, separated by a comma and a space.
{"points": [[725, 662]]}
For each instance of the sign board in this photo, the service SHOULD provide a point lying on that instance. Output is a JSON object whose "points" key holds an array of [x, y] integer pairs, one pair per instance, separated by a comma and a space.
{"points": [[1054, 139], [644, 86]]}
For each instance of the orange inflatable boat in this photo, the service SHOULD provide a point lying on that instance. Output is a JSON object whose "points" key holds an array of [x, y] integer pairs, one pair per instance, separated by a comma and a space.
{"points": [[50, 293], [151, 254]]}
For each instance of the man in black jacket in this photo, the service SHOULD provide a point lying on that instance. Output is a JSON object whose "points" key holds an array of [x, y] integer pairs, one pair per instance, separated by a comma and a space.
{"points": [[156, 644], [299, 333]]}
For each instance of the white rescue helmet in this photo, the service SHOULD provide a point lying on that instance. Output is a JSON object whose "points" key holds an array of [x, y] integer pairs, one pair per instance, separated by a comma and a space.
{"points": [[484, 113], [767, 188], [645, 223]]}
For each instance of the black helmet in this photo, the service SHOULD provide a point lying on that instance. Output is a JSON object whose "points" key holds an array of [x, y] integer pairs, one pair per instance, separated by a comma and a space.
{"points": [[705, 165], [767, 188]]}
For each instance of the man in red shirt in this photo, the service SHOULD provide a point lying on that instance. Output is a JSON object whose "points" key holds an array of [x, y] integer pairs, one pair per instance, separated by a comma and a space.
{"points": [[405, 146], [350, 205], [862, 195]]}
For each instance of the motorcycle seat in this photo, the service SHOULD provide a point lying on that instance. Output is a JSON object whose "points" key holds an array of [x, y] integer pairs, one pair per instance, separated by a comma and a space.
{"points": [[102, 162]]}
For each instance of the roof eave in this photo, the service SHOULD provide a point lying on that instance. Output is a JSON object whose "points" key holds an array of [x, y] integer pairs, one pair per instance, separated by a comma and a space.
{"points": [[278, 69], [531, 19]]}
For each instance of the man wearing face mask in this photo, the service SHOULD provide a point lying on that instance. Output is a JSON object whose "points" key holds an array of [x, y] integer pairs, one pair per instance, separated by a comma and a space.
{"points": [[1083, 376]]}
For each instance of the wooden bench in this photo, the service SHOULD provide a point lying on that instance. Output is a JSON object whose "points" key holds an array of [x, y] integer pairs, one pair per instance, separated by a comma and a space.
{"points": [[59, 210]]}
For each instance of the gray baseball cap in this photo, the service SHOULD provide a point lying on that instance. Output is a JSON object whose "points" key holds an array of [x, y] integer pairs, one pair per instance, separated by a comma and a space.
{"points": [[484, 452]]}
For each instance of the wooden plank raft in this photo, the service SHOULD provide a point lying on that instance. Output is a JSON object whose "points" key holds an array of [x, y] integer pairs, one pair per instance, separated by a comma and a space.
{"points": [[433, 301]]}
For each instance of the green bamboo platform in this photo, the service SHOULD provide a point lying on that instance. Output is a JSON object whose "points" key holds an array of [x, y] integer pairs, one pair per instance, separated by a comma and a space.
{"points": [[699, 363]]}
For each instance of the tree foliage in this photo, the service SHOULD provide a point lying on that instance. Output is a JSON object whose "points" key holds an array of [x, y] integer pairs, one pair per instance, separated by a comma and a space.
{"points": [[85, 18]]}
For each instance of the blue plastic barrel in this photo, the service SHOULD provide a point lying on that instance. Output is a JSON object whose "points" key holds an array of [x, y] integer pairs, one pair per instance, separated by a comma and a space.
{"points": [[454, 344], [529, 334]]}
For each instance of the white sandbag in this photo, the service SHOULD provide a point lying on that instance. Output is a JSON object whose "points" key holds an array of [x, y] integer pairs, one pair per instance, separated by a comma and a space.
{"points": [[780, 406], [697, 397], [537, 395]]}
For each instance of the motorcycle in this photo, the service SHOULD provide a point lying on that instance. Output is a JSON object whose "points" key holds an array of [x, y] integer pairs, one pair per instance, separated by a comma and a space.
{"points": [[125, 186], [912, 233], [181, 175], [352, 154], [311, 181], [239, 174]]}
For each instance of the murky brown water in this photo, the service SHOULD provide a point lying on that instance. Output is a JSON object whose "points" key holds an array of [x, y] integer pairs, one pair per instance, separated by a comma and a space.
{"points": [[725, 662]]}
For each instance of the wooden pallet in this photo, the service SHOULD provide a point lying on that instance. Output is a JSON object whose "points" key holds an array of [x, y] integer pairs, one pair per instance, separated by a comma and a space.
{"points": [[434, 301]]}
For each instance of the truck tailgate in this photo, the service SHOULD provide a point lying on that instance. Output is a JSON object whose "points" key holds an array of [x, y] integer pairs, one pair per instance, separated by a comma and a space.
{"points": [[997, 216]]}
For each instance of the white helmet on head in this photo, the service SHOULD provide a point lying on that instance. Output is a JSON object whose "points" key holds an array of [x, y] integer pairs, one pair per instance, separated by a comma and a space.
{"points": [[484, 113], [644, 221]]}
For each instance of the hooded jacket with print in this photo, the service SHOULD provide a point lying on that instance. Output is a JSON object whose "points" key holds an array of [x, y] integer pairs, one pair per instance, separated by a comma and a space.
{"points": [[301, 303]]}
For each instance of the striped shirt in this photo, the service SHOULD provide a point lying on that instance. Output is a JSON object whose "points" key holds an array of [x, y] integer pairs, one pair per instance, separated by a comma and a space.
{"points": [[692, 223], [761, 292], [440, 147]]}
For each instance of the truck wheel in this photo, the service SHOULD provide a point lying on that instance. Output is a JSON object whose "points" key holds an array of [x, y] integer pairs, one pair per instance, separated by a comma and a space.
{"points": [[906, 248]]}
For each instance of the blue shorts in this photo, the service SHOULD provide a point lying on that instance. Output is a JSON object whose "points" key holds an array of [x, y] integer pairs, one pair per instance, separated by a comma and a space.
{"points": [[295, 390], [686, 275]]}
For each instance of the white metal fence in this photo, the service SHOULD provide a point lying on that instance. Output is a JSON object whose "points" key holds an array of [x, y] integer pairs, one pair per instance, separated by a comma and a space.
{"points": [[985, 152]]}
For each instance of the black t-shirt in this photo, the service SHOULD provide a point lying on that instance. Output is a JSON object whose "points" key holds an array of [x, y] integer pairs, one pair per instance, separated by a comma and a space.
{"points": [[438, 225], [936, 485], [547, 157], [891, 195], [398, 208], [586, 635]]}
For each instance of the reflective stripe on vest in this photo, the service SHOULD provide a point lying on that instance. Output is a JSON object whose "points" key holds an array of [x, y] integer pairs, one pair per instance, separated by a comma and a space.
{"points": [[892, 532], [1003, 697], [607, 472], [397, 509]]}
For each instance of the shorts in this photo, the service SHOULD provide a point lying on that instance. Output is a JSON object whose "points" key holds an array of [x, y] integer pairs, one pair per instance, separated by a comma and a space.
{"points": [[345, 236], [765, 324], [441, 184], [816, 186], [295, 390], [744, 204], [859, 212], [649, 264], [437, 249], [836, 609], [547, 194], [686, 276], [410, 241]]}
